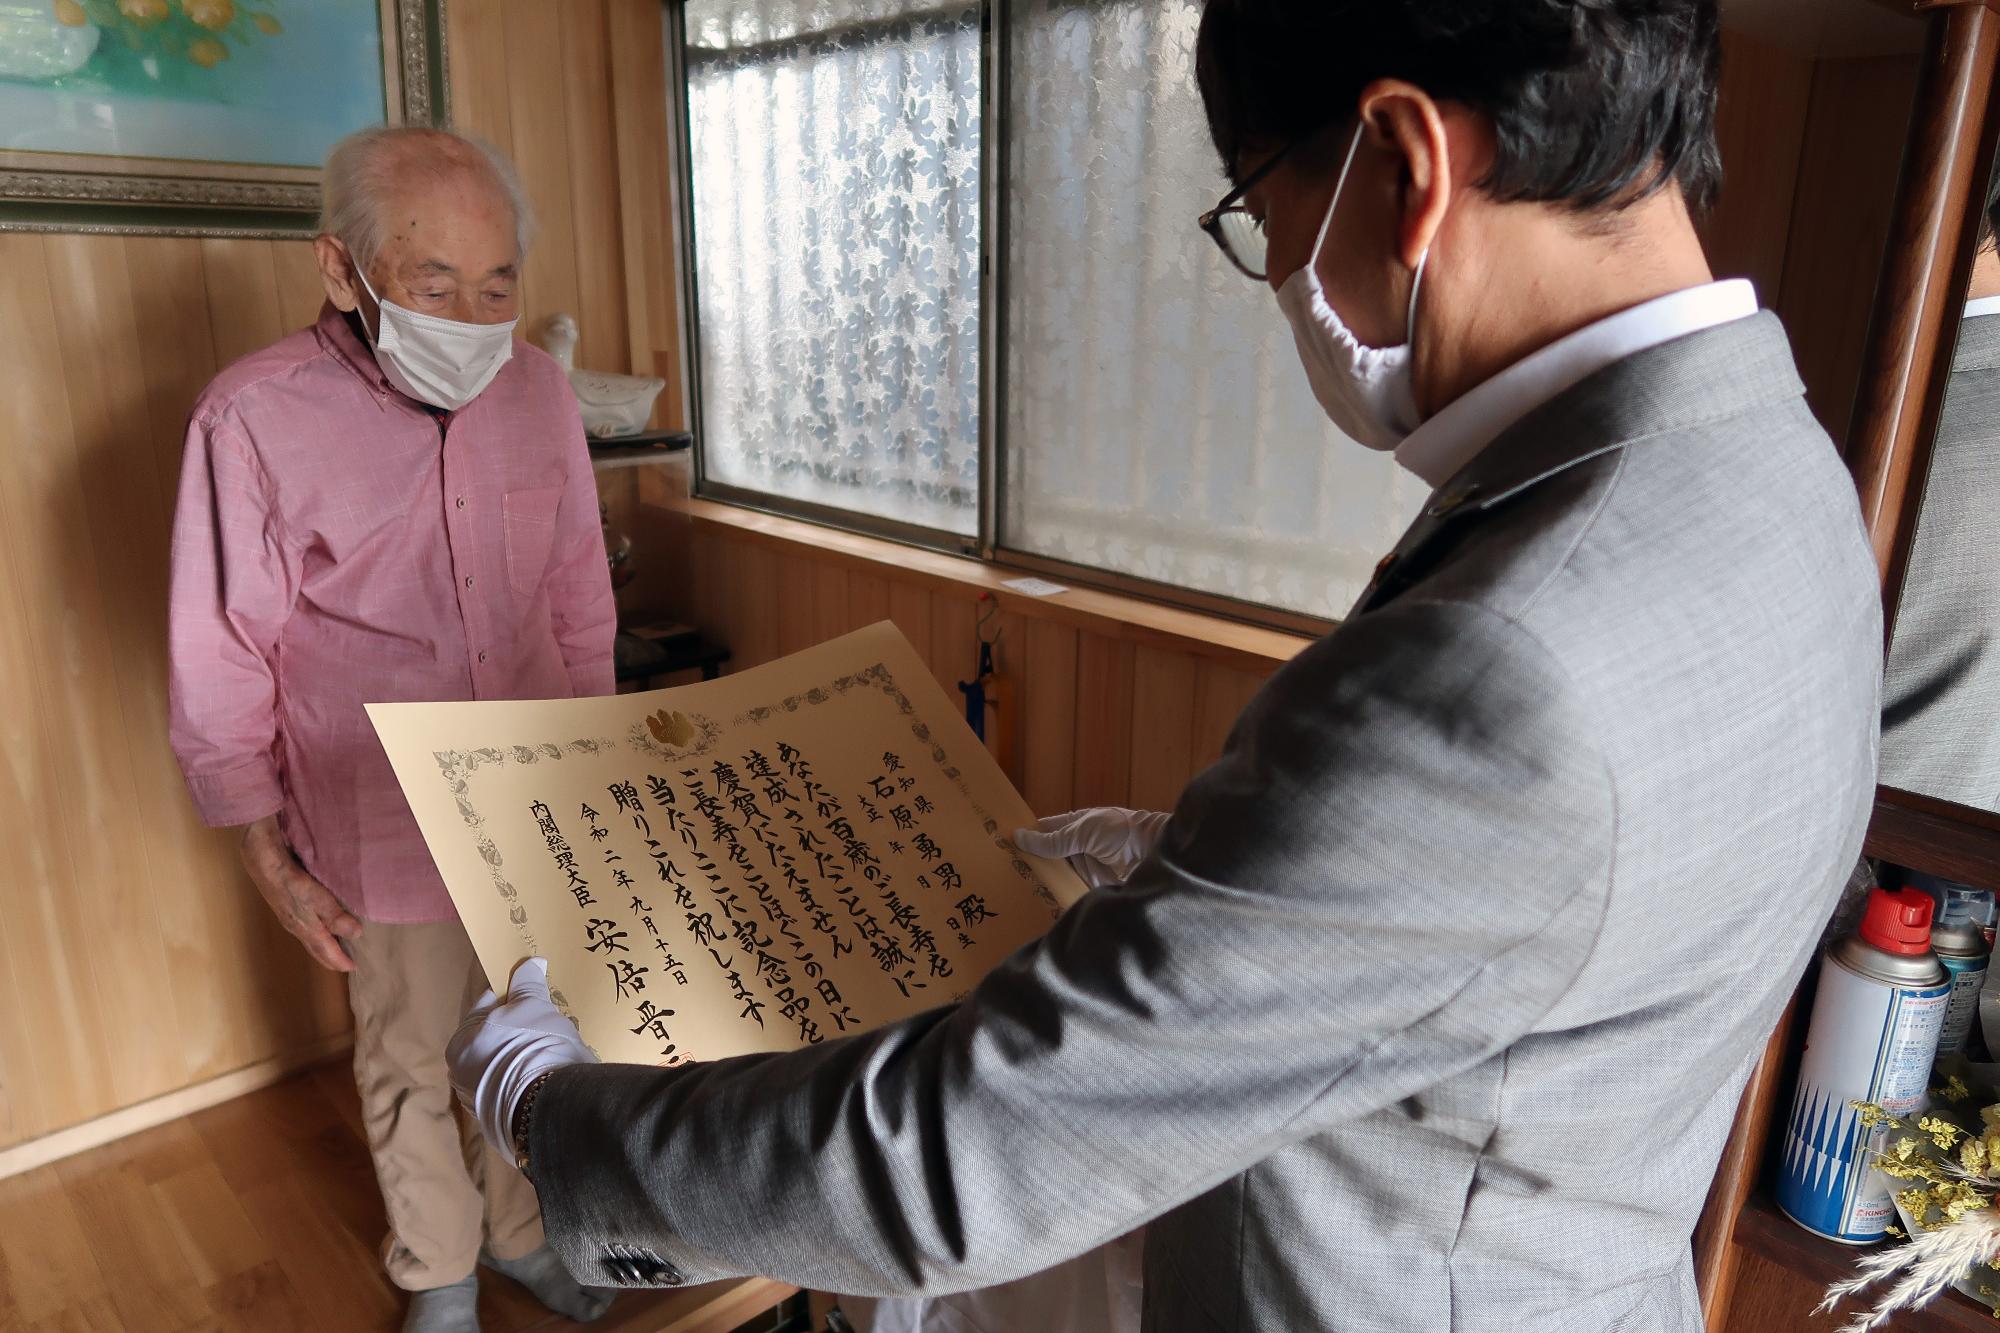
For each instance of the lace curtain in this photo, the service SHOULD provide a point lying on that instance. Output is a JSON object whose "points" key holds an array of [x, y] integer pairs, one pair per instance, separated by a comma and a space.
{"points": [[836, 201], [1158, 422]]}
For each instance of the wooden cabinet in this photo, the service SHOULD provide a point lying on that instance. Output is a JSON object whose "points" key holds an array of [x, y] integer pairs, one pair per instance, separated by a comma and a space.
{"points": [[1758, 1272]]}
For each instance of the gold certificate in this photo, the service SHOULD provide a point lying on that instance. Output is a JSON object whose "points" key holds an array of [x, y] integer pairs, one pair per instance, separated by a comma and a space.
{"points": [[766, 861]]}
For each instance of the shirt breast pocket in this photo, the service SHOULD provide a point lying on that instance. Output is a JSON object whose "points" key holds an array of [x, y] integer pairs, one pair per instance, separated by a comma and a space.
{"points": [[529, 520]]}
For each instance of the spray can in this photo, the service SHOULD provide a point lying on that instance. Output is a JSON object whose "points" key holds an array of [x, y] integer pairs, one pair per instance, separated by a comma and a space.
{"points": [[1957, 902], [1962, 948], [1876, 1017]]}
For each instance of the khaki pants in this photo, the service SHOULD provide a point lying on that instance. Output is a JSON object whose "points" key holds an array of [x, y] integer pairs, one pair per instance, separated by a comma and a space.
{"points": [[444, 1188]]}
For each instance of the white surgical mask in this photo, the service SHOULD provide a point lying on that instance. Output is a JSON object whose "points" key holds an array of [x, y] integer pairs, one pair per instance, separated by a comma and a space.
{"points": [[434, 360], [1367, 391]]}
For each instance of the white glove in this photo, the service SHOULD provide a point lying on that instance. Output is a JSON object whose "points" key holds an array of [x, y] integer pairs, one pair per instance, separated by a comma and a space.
{"points": [[499, 1049], [1104, 845]]}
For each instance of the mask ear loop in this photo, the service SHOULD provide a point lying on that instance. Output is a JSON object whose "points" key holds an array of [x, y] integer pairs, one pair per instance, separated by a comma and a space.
{"points": [[375, 339], [1416, 285], [1326, 223], [1410, 320]]}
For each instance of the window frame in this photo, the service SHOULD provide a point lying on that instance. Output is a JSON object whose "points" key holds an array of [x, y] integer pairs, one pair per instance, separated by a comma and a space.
{"points": [[987, 543], [706, 487]]}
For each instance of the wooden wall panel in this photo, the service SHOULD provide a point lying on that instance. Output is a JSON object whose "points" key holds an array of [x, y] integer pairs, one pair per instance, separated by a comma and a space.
{"points": [[300, 291], [1810, 152], [1220, 695], [56, 1070], [1007, 738], [480, 86], [867, 598], [954, 647], [59, 546], [110, 410], [171, 309], [235, 1015], [134, 957], [1048, 717], [910, 608], [832, 615], [645, 198], [797, 620], [241, 284], [1162, 727], [593, 189], [1852, 150], [1104, 679], [1760, 123], [754, 571], [539, 115]]}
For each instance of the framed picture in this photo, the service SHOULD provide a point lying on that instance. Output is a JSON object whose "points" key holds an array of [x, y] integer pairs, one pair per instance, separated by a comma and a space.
{"points": [[199, 117]]}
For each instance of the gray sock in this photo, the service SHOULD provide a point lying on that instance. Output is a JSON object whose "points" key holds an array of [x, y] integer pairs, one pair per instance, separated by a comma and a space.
{"points": [[542, 1273], [453, 1309]]}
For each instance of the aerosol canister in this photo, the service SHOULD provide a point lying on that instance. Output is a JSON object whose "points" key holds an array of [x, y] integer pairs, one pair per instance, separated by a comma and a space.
{"points": [[1956, 902], [1876, 1017], [1962, 948]]}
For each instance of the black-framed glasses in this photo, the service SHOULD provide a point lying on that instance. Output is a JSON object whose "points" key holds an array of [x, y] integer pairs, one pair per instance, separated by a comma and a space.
{"points": [[1239, 232]]}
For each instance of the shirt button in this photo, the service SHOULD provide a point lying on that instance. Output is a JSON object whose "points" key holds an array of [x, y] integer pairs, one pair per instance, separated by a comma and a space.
{"points": [[468, 580], [482, 657], [461, 502]]}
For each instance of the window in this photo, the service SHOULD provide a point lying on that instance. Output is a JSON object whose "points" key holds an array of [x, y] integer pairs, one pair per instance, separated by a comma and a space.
{"points": [[835, 181], [1144, 412]]}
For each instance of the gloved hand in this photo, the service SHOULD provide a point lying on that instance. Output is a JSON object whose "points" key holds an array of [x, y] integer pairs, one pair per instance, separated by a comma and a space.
{"points": [[1104, 845], [499, 1049]]}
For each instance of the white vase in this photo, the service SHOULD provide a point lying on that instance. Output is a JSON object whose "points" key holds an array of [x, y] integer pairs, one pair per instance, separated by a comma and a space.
{"points": [[611, 405]]}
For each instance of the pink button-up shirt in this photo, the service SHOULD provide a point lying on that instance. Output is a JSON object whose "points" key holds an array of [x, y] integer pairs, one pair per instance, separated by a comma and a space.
{"points": [[336, 545]]}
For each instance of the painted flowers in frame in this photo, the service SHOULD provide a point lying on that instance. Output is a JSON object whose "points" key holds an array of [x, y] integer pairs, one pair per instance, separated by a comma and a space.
{"points": [[204, 117]]}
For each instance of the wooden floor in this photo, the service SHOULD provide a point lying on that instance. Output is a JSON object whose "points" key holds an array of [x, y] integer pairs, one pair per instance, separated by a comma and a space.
{"points": [[259, 1215]]}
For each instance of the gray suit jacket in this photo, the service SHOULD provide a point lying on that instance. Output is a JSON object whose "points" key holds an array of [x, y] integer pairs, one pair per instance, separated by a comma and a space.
{"points": [[1941, 698], [1432, 1009]]}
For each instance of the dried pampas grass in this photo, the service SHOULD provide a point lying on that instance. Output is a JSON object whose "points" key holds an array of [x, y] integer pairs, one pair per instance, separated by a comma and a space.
{"points": [[1922, 1269]]}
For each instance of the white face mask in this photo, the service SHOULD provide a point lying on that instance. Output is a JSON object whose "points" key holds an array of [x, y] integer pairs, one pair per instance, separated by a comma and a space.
{"points": [[1367, 391], [438, 361]]}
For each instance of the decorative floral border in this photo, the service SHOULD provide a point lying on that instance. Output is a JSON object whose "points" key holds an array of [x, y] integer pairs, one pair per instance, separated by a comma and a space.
{"points": [[458, 766]]}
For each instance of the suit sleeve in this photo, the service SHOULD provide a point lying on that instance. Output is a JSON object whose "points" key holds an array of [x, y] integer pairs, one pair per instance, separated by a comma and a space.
{"points": [[1395, 870], [232, 581]]}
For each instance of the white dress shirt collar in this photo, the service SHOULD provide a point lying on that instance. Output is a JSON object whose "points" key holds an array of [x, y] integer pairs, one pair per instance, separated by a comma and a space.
{"points": [[1448, 441], [1982, 305]]}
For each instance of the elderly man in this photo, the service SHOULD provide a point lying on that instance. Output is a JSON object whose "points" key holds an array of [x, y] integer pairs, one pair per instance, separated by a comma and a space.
{"points": [[394, 504], [1430, 1007]]}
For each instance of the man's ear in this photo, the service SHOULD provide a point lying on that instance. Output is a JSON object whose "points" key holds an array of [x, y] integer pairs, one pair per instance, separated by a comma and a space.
{"points": [[1403, 118], [336, 273]]}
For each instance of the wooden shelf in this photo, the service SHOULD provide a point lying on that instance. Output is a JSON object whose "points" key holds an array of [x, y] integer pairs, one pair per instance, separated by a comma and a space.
{"points": [[1955, 842], [1772, 1236], [640, 661], [639, 450], [1115, 615]]}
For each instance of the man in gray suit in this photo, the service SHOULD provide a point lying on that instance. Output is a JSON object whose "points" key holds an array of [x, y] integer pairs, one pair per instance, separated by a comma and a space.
{"points": [[1431, 1007], [1941, 694]]}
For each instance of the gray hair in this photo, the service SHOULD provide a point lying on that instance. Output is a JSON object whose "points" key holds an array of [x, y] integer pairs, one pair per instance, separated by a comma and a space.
{"points": [[366, 167]]}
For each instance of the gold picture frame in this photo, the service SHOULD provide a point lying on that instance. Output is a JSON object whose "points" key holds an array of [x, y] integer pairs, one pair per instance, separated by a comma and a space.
{"points": [[80, 192]]}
